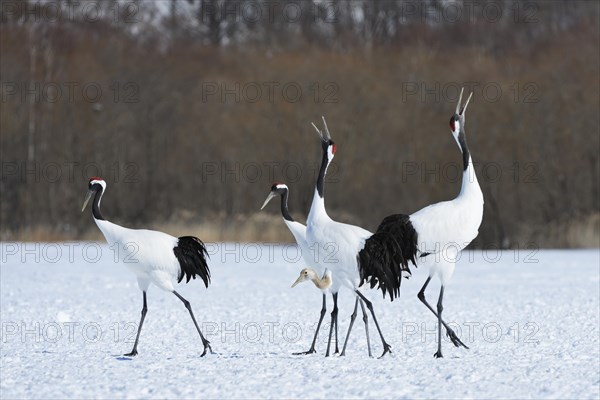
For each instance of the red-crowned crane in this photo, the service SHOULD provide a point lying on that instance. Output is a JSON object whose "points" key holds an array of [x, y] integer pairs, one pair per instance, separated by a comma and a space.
{"points": [[446, 228], [154, 257], [298, 230], [353, 254], [443, 229]]}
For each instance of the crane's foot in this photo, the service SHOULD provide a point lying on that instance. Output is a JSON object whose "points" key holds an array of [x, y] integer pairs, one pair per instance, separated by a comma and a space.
{"points": [[386, 349], [206, 347], [303, 353], [132, 354], [455, 340], [438, 354]]}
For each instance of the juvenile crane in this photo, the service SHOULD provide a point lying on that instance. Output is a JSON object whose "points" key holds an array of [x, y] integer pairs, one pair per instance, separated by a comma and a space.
{"points": [[323, 283], [154, 257]]}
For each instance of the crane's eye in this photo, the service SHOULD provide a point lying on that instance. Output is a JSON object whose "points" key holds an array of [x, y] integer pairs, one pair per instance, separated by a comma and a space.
{"points": [[305, 272]]}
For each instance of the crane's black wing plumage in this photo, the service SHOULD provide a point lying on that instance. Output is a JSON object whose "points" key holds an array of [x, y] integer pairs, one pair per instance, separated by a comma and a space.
{"points": [[400, 226], [387, 253], [191, 254]]}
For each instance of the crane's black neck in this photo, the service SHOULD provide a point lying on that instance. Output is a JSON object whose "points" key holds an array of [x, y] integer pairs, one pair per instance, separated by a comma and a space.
{"points": [[462, 140], [284, 207], [96, 205], [322, 171]]}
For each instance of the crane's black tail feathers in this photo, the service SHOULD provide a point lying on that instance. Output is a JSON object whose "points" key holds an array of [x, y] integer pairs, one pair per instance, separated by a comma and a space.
{"points": [[191, 254], [386, 254]]}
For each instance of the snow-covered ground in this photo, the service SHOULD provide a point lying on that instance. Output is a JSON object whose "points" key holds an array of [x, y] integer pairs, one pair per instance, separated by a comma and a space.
{"points": [[68, 311]]}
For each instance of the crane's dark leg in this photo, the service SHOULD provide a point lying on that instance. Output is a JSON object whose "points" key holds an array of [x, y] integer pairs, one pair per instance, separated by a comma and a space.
{"points": [[386, 347], [453, 337], [337, 350], [440, 308], [187, 305], [366, 321], [312, 347], [137, 337], [334, 313], [352, 318]]}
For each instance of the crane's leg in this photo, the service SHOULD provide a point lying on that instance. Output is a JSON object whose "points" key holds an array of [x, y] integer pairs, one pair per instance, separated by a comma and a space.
{"points": [[366, 321], [337, 350], [440, 308], [137, 337], [352, 318], [187, 305], [312, 346], [334, 313], [453, 337], [386, 347]]}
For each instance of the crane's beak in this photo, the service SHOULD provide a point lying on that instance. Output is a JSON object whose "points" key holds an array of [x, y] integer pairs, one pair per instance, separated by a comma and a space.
{"points": [[269, 197], [326, 128], [324, 135], [457, 112], [299, 280], [88, 196], [464, 109]]}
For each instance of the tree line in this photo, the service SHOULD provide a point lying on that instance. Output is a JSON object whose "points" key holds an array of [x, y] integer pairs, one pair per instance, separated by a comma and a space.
{"points": [[190, 109]]}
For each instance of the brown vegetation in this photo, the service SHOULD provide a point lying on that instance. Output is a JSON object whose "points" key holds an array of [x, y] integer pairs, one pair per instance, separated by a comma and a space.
{"points": [[179, 156]]}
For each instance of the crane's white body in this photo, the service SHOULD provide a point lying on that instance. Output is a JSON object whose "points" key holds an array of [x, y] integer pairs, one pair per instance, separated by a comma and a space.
{"points": [[154, 257], [148, 254], [298, 230], [446, 228], [335, 245]]}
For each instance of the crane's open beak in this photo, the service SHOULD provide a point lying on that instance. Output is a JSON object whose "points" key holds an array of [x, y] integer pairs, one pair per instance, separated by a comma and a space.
{"points": [[457, 112], [269, 197], [88, 196], [324, 135], [464, 109], [460, 110]]}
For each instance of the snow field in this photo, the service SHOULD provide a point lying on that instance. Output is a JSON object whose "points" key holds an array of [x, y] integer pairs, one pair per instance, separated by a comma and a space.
{"points": [[68, 311]]}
